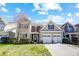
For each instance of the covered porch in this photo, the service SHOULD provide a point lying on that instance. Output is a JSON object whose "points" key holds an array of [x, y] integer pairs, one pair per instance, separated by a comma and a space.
{"points": [[35, 37], [70, 35]]}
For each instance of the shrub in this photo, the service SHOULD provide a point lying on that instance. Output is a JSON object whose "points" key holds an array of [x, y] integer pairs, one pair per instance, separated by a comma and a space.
{"points": [[8, 40], [65, 40], [74, 40], [4, 39], [25, 41], [41, 42], [12, 40]]}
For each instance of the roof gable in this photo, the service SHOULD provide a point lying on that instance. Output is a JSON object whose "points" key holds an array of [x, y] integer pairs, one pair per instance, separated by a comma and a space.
{"points": [[66, 24], [2, 21], [56, 27], [68, 27]]}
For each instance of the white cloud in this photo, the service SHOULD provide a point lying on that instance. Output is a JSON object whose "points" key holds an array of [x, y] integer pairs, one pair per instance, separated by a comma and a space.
{"points": [[2, 4], [77, 14], [43, 20], [42, 13], [4, 9], [29, 18], [36, 6], [69, 15], [8, 16], [18, 10], [43, 8], [70, 20], [77, 6], [52, 6], [57, 18]]}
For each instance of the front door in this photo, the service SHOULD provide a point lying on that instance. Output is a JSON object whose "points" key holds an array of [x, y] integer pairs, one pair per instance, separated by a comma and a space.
{"points": [[35, 37]]}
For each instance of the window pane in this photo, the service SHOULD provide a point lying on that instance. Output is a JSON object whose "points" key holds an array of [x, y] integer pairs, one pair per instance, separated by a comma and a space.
{"points": [[50, 26]]}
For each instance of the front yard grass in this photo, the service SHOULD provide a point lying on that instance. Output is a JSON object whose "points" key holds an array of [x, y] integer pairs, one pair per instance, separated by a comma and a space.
{"points": [[77, 45], [23, 50]]}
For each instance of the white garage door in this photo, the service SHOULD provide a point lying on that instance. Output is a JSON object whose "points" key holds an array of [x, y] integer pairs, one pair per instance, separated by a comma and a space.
{"points": [[47, 39], [57, 38]]}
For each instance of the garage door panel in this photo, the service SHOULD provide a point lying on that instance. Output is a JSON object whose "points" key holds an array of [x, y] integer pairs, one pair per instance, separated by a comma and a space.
{"points": [[47, 40], [57, 38]]}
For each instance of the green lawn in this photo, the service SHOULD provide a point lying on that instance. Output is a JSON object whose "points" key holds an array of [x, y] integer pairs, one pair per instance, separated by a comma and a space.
{"points": [[77, 45], [23, 50]]}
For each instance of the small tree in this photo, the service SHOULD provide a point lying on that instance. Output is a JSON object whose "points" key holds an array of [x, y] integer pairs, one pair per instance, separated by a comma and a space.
{"points": [[75, 40], [65, 40], [4, 39]]}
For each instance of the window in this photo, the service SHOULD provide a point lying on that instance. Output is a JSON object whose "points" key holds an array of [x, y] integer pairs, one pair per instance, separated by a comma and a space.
{"points": [[33, 28], [25, 26], [50, 26], [46, 35], [38, 28], [1, 27], [56, 35], [69, 28], [77, 29], [19, 26]]}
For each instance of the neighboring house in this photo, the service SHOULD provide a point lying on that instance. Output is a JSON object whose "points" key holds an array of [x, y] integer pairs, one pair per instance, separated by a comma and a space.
{"points": [[23, 29], [2, 27], [70, 30], [5, 31]]}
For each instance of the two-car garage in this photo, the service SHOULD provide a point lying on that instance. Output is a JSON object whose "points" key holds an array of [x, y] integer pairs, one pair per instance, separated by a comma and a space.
{"points": [[49, 38]]}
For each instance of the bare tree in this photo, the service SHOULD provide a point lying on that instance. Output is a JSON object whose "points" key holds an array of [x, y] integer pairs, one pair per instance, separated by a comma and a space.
{"points": [[17, 18]]}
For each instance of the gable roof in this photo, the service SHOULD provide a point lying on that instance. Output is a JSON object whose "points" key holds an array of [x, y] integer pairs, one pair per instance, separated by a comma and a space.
{"points": [[77, 25], [50, 21], [68, 23], [2, 21]]}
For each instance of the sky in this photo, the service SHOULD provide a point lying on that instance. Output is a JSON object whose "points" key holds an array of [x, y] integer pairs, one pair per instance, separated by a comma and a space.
{"points": [[42, 12]]}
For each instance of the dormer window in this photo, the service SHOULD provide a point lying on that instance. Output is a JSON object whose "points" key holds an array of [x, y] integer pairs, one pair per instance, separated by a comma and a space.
{"points": [[50, 27], [69, 28]]}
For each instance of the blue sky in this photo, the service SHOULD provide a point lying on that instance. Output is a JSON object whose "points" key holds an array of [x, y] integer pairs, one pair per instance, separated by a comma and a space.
{"points": [[42, 12]]}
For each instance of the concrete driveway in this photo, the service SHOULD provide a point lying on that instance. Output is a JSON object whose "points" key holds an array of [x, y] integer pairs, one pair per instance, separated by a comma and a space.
{"points": [[62, 49]]}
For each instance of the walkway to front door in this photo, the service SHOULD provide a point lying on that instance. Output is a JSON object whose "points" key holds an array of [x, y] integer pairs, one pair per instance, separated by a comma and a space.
{"points": [[63, 49]]}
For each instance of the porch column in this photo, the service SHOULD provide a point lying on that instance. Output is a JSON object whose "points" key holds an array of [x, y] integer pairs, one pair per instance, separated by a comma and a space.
{"points": [[28, 35], [70, 36]]}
